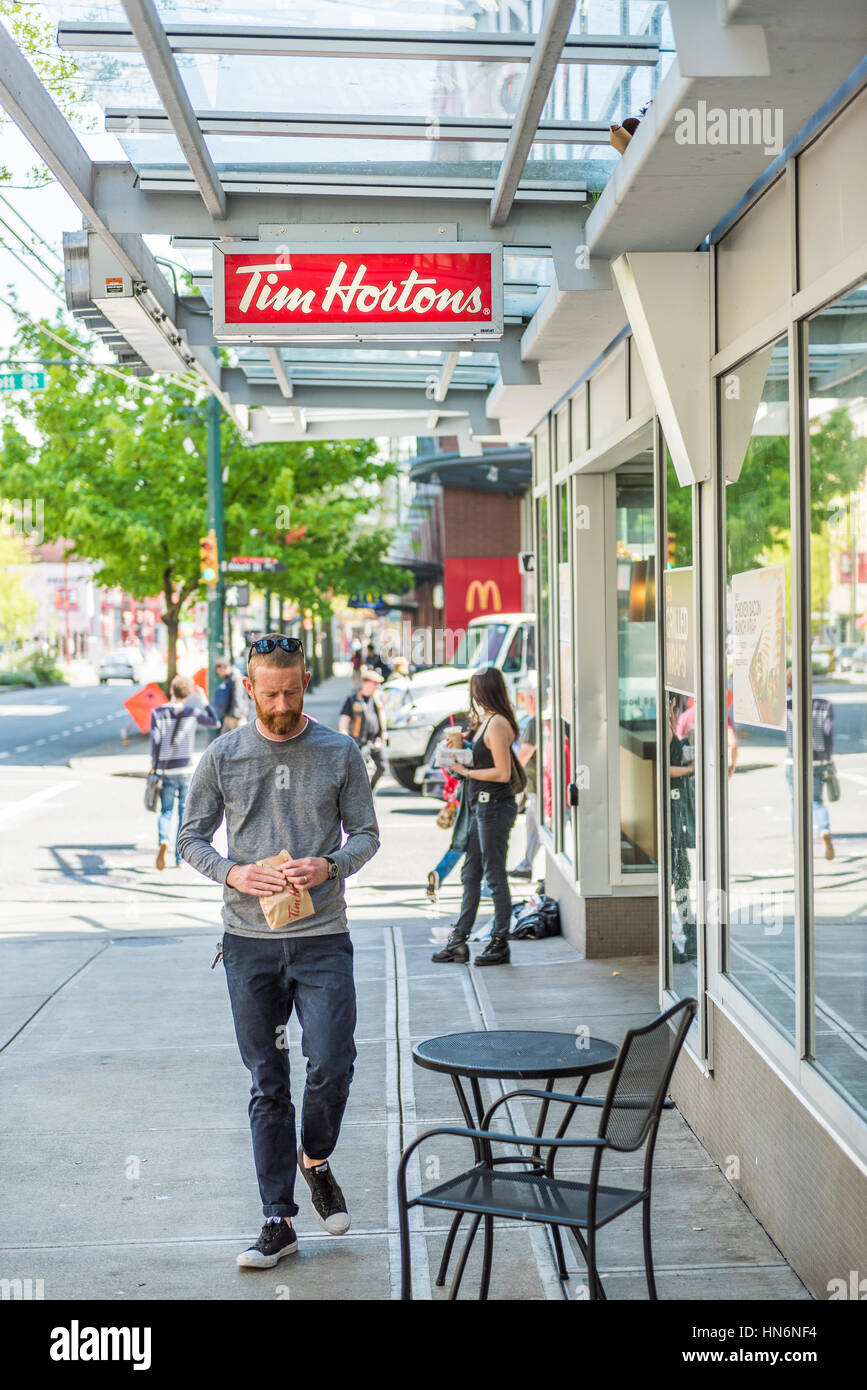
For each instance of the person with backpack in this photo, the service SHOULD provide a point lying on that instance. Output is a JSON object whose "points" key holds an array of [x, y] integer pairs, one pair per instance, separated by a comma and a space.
{"points": [[363, 718], [492, 781], [173, 737]]}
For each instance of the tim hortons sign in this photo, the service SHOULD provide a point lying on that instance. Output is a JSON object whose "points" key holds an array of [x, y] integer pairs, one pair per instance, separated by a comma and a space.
{"points": [[276, 293]]}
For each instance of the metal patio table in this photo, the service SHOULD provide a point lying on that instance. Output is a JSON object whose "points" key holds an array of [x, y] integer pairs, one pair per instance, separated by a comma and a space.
{"points": [[510, 1055]]}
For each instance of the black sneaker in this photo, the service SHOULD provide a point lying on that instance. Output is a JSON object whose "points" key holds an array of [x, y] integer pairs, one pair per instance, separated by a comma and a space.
{"points": [[329, 1206], [276, 1240], [455, 949], [495, 953]]}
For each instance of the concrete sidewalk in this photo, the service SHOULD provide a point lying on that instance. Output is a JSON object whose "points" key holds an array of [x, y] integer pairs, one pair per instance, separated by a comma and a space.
{"points": [[125, 1141]]}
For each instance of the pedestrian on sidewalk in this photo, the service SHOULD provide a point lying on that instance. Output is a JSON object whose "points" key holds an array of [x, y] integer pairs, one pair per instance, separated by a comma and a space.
{"points": [[492, 808], [285, 781], [173, 740], [363, 719], [230, 697]]}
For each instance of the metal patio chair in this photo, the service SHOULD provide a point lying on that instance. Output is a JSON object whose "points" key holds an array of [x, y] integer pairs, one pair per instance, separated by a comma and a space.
{"points": [[629, 1120]]}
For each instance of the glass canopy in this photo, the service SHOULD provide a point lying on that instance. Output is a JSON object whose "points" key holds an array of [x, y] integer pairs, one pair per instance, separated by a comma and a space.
{"points": [[373, 98]]}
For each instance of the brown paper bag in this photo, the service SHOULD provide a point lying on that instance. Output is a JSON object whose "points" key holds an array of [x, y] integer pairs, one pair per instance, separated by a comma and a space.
{"points": [[290, 904]]}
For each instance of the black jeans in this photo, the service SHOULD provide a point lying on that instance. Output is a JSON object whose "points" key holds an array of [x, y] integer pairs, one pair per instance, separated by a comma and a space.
{"points": [[487, 845], [265, 978]]}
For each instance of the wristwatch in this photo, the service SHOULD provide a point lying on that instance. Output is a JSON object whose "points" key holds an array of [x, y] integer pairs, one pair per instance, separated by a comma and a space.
{"points": [[333, 871]]}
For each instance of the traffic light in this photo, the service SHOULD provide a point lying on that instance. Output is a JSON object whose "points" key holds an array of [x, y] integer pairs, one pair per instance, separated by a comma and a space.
{"points": [[671, 551], [209, 564]]}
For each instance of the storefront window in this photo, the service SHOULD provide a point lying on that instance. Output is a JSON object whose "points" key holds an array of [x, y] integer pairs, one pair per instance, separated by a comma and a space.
{"points": [[680, 683], [636, 666], [759, 907], [838, 576], [545, 663], [564, 592]]}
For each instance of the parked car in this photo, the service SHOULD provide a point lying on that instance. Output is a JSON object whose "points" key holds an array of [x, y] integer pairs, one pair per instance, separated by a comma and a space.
{"points": [[843, 655], [421, 707], [124, 664], [858, 659]]}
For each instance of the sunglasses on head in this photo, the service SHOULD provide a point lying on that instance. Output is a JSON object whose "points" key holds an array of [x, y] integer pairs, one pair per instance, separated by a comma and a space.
{"points": [[263, 645]]}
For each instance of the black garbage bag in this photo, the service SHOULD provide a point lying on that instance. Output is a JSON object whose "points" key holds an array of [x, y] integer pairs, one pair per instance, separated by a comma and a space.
{"points": [[537, 918]]}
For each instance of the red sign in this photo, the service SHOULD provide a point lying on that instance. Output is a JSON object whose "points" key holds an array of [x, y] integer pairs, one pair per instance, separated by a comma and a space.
{"points": [[480, 587], [279, 292], [142, 702]]}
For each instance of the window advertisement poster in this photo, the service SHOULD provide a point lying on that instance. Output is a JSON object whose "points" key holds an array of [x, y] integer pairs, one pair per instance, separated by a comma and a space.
{"points": [[759, 647], [679, 631], [564, 581]]}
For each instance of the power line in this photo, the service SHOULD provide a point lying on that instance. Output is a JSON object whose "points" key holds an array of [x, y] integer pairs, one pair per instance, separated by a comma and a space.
{"points": [[31, 228], [52, 289], [33, 252]]}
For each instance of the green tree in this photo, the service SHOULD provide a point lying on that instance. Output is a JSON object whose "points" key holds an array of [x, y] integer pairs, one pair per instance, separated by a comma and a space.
{"points": [[120, 486], [17, 606], [757, 505]]}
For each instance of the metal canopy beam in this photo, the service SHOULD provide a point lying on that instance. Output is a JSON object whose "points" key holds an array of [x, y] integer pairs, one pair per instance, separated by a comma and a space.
{"points": [[618, 50], [279, 367], [141, 120], [151, 38], [39, 119], [447, 371], [406, 400], [546, 55], [297, 181], [531, 229]]}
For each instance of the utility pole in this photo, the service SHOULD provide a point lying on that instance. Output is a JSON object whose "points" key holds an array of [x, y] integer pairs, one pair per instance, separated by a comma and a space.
{"points": [[215, 522]]}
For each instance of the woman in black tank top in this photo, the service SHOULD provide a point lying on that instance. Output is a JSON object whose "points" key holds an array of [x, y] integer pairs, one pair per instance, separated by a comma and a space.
{"points": [[493, 810]]}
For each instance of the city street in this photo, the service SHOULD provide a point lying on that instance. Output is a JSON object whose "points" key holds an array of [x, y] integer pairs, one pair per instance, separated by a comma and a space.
{"points": [[39, 728], [125, 1137]]}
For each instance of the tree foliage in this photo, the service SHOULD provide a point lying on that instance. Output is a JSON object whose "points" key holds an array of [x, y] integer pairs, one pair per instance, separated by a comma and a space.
{"points": [[17, 606], [757, 505], [120, 487]]}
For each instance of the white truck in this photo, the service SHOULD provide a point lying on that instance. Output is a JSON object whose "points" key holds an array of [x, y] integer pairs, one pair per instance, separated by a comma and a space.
{"points": [[420, 708]]}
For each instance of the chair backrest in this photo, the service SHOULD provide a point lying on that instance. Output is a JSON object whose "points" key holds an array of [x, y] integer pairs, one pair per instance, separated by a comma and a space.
{"points": [[641, 1075]]}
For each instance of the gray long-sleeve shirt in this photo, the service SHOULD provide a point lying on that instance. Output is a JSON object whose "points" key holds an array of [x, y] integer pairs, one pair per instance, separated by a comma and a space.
{"points": [[291, 794]]}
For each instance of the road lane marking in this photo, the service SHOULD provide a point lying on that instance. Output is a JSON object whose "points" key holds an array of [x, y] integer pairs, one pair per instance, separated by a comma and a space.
{"points": [[77, 729], [52, 737], [25, 711], [22, 748], [15, 808], [39, 742]]}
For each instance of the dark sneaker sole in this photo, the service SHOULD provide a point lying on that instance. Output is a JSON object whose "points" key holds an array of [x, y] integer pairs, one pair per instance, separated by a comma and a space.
{"points": [[336, 1225], [260, 1261]]}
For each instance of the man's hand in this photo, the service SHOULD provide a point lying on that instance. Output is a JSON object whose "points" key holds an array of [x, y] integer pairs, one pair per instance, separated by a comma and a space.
{"points": [[255, 880], [304, 873]]}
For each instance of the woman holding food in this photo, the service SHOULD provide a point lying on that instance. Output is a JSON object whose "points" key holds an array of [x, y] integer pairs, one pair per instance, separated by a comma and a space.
{"points": [[492, 807]]}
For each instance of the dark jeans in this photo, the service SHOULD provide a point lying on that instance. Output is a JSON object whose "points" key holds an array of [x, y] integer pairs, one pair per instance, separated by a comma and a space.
{"points": [[487, 845], [265, 978]]}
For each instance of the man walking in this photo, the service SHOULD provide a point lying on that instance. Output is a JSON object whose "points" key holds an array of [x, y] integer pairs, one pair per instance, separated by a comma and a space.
{"points": [[362, 718], [231, 700], [285, 781]]}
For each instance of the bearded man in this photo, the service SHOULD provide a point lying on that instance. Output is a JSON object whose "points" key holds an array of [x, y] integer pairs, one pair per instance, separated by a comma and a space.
{"points": [[285, 781]]}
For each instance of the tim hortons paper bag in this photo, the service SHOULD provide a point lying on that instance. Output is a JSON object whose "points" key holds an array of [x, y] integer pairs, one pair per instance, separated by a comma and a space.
{"points": [[290, 904]]}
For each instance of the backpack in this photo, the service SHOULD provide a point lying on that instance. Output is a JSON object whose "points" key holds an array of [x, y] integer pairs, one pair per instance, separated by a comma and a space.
{"points": [[535, 919]]}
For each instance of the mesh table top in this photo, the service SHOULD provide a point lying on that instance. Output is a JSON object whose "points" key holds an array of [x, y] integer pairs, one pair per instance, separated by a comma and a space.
{"points": [[524, 1056]]}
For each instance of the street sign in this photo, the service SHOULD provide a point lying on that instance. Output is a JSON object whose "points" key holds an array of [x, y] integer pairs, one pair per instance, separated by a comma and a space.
{"points": [[22, 381], [237, 595], [281, 291], [253, 564]]}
